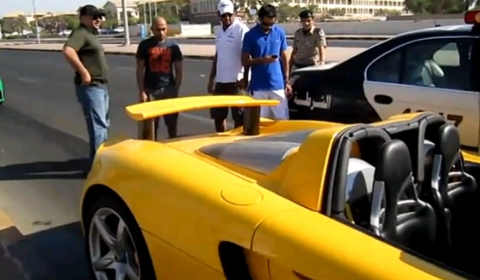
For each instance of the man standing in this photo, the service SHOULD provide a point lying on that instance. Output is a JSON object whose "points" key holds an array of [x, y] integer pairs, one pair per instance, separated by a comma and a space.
{"points": [[227, 71], [157, 56], [85, 54], [309, 43], [265, 52]]}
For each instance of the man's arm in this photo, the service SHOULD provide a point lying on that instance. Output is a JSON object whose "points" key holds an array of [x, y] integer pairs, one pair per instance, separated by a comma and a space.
{"points": [[213, 69], [246, 69], [247, 59], [140, 71], [321, 45], [178, 62], [70, 51], [292, 55], [285, 58]]}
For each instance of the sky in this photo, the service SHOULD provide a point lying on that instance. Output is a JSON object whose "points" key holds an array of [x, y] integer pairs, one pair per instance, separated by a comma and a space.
{"points": [[9, 6]]}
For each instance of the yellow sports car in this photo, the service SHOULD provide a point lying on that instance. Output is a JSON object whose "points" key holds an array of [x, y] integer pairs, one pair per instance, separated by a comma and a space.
{"points": [[284, 200]]}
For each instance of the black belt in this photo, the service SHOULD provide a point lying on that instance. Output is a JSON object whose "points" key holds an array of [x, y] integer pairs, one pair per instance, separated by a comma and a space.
{"points": [[298, 65]]}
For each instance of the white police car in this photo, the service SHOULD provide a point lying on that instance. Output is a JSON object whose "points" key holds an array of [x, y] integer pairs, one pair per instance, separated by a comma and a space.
{"points": [[435, 69]]}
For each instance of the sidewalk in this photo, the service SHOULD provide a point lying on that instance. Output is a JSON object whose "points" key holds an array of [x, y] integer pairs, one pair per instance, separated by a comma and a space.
{"points": [[205, 52]]}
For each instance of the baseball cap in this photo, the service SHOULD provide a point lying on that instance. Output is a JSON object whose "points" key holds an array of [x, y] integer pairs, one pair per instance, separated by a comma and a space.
{"points": [[306, 14], [90, 10], [226, 7]]}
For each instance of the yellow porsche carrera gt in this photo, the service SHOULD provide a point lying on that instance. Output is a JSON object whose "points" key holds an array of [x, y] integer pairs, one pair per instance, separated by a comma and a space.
{"points": [[284, 200]]}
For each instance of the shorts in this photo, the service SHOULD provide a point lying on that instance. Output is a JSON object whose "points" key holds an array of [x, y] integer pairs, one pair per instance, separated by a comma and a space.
{"points": [[279, 112], [222, 113], [160, 94]]}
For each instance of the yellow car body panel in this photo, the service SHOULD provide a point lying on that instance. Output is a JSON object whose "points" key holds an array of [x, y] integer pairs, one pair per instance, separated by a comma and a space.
{"points": [[187, 203], [331, 238]]}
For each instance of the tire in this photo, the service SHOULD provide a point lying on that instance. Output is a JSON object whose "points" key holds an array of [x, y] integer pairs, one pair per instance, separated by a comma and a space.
{"points": [[138, 253]]}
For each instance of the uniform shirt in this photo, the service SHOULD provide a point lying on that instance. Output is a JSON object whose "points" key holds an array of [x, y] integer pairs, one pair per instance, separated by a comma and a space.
{"points": [[85, 42], [306, 44], [258, 44], [159, 58], [228, 44]]}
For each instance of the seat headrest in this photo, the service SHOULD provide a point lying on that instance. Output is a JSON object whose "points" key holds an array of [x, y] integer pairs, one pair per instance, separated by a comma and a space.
{"points": [[448, 145], [428, 150], [434, 68], [393, 166], [359, 179]]}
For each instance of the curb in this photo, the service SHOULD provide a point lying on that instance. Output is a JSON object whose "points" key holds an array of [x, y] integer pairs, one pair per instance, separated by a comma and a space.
{"points": [[329, 37], [196, 57], [289, 37]]}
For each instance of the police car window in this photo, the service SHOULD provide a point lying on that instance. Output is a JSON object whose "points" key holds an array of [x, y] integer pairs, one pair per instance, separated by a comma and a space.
{"points": [[440, 63], [386, 69]]}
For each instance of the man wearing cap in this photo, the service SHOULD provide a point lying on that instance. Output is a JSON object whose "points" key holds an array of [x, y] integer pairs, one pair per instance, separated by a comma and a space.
{"points": [[227, 73], [309, 43], [85, 54]]}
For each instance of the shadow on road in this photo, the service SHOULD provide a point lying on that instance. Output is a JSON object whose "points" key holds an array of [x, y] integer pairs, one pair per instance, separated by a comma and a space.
{"points": [[56, 253], [71, 169]]}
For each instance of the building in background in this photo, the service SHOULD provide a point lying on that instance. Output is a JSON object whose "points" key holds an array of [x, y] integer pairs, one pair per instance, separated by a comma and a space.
{"points": [[203, 11], [27, 17], [114, 9]]}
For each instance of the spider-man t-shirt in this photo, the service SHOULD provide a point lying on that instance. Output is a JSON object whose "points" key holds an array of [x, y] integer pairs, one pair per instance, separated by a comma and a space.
{"points": [[159, 58]]}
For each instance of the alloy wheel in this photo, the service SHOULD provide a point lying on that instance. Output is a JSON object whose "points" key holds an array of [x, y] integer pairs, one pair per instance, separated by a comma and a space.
{"points": [[113, 255]]}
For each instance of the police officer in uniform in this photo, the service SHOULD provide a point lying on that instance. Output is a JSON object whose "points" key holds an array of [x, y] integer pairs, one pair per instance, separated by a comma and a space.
{"points": [[309, 43]]}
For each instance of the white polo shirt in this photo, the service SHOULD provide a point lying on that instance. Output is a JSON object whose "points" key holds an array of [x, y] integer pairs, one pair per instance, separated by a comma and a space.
{"points": [[228, 44]]}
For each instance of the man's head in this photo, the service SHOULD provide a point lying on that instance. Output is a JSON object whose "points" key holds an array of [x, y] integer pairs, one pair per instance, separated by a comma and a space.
{"points": [[159, 28], [226, 12], [306, 17], [91, 16], [267, 16]]}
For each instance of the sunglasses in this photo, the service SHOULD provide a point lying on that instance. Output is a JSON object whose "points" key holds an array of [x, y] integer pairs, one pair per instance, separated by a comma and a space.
{"points": [[226, 15]]}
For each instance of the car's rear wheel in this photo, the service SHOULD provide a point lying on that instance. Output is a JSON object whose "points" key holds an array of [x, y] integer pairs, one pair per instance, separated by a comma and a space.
{"points": [[115, 245]]}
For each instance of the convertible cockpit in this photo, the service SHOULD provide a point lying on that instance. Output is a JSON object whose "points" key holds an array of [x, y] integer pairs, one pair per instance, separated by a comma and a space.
{"points": [[410, 188]]}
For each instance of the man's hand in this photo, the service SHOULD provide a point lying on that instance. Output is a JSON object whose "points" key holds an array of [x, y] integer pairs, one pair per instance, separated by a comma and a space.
{"points": [[210, 86], [242, 84], [86, 78], [288, 91], [143, 97], [269, 59]]}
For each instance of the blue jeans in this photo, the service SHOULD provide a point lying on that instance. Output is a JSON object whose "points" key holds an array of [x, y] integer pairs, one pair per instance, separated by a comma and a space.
{"points": [[95, 101]]}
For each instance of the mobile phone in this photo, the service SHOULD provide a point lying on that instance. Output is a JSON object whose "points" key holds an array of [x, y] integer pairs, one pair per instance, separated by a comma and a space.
{"points": [[275, 56]]}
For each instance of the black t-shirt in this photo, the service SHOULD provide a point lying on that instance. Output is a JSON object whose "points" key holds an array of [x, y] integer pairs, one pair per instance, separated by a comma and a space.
{"points": [[159, 58]]}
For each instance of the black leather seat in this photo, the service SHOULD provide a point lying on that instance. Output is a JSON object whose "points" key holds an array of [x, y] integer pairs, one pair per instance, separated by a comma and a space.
{"points": [[409, 222], [453, 191]]}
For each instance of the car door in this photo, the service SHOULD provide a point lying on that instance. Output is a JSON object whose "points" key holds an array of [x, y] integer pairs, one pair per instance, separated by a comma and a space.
{"points": [[431, 74]]}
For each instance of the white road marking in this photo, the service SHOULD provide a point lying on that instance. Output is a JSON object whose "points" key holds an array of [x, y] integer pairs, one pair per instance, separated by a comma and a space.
{"points": [[28, 81]]}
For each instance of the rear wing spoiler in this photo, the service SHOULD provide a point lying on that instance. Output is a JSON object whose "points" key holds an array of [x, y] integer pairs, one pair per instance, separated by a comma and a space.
{"points": [[150, 110]]}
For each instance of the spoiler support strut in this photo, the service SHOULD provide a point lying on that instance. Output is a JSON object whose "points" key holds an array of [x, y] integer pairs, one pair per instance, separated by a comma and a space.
{"points": [[251, 121]]}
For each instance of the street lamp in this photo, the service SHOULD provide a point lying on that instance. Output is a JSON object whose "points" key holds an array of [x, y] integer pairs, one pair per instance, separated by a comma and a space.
{"points": [[145, 13], [36, 21], [150, 11], [126, 32]]}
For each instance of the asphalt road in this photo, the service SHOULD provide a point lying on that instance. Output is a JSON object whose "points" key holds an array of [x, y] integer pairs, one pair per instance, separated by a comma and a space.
{"points": [[42, 143], [331, 43]]}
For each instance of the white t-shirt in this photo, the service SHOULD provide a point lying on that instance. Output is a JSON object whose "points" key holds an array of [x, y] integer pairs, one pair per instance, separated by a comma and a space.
{"points": [[228, 45]]}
